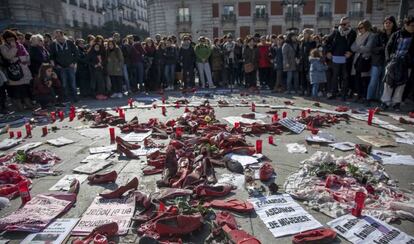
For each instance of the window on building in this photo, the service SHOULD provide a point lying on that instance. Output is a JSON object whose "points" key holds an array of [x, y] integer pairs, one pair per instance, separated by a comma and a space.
{"points": [[260, 9], [262, 32], [228, 9], [325, 7], [183, 14], [356, 7], [92, 20], [99, 21]]}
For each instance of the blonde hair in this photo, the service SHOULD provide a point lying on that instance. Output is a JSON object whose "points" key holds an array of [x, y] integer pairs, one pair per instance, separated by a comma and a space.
{"points": [[36, 39]]}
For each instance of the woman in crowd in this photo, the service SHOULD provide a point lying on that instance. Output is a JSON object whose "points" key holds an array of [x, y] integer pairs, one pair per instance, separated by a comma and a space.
{"points": [[187, 60], [170, 58], [159, 64], [82, 70], [150, 70], [277, 61], [47, 88], [250, 57], [217, 62], [96, 69], [203, 52], [230, 60], [361, 66], [264, 64], [306, 45], [114, 68], [375, 86], [16, 59], [38, 54], [3, 84], [290, 58], [238, 54]]}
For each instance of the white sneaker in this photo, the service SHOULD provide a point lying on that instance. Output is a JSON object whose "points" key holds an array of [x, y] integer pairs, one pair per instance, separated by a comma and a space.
{"points": [[120, 95], [211, 86], [115, 95]]}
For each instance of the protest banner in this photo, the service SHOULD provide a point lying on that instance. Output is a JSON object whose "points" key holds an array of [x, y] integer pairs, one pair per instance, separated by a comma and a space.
{"points": [[283, 216], [103, 211], [367, 229]]}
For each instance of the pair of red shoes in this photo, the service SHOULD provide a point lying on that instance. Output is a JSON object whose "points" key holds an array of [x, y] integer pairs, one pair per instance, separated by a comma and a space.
{"points": [[341, 109]]}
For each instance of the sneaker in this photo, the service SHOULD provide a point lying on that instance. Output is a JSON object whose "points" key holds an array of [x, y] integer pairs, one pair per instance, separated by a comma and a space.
{"points": [[115, 95]]}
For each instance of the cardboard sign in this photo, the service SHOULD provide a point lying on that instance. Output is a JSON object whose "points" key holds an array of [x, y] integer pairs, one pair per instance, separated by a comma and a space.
{"points": [[367, 229], [55, 233], [343, 146], [377, 141], [64, 183], [136, 137], [92, 167], [292, 125], [283, 216], [103, 211]]}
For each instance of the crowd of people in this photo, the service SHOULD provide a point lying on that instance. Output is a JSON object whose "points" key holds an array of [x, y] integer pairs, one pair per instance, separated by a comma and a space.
{"points": [[365, 63]]}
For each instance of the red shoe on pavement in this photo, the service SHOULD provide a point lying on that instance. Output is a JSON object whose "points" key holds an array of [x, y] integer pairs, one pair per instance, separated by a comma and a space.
{"points": [[213, 191], [133, 184], [318, 236], [178, 225], [103, 178], [126, 144], [266, 172], [108, 230], [226, 218]]}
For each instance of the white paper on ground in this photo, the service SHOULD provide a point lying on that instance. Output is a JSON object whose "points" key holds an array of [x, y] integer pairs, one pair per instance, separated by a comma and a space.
{"points": [[9, 143], [406, 135], [292, 125], [102, 211], [392, 127], [296, 148], [136, 137], [378, 141], [144, 151], [92, 167], [367, 229], [321, 137], [232, 119], [399, 160], [64, 183], [234, 179], [404, 141], [94, 133], [343, 146], [103, 149], [97, 156], [28, 146], [61, 141], [55, 233], [282, 215], [382, 154], [244, 160]]}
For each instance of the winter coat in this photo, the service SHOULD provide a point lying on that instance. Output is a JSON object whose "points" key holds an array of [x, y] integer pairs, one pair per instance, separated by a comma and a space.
{"points": [[362, 46], [338, 45], [41, 89], [238, 53], [170, 55], [229, 49], [159, 58], [251, 56], [289, 56], [93, 60], [378, 49], [38, 55], [394, 42], [187, 57], [217, 58], [202, 52], [137, 53], [277, 57], [83, 65], [17, 54], [64, 54], [317, 71], [126, 52], [304, 52], [264, 55], [114, 62]]}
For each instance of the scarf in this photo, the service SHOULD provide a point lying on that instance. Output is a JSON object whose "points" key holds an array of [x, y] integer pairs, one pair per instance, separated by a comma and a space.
{"points": [[361, 38], [343, 32]]}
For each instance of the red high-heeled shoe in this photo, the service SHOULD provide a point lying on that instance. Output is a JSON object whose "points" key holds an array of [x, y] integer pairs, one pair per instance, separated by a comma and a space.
{"points": [[123, 150], [180, 224], [126, 144], [103, 178], [108, 230], [133, 184]]}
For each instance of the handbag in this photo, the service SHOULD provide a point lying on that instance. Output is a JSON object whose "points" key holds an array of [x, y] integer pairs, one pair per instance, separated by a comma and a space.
{"points": [[248, 68], [363, 64], [14, 71]]}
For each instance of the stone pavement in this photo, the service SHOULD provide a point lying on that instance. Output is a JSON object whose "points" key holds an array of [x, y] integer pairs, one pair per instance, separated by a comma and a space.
{"points": [[283, 162]]}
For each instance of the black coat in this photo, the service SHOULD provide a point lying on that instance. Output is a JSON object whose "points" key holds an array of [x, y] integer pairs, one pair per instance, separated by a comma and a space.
{"points": [[393, 43], [338, 45], [187, 57], [38, 55]]}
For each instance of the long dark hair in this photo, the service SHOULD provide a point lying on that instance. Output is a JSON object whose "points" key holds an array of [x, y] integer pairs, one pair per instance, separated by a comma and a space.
{"points": [[42, 71], [393, 21]]}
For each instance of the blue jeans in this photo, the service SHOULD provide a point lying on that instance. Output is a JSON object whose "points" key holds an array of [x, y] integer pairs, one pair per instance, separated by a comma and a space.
{"points": [[136, 75], [292, 80], [375, 83], [68, 78], [169, 74], [315, 89]]}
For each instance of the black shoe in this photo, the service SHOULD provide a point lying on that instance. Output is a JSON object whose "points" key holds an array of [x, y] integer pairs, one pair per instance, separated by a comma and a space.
{"points": [[331, 97], [384, 106], [396, 107]]}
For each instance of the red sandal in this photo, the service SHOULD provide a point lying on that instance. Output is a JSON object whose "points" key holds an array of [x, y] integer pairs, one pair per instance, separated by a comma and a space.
{"points": [[232, 204]]}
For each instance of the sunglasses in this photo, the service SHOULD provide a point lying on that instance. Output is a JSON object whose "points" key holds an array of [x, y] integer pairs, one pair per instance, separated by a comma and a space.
{"points": [[360, 28]]}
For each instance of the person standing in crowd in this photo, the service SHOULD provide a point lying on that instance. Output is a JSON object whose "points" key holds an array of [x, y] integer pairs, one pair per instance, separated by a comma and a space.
{"points": [[265, 69], [47, 41], [375, 86], [203, 52], [126, 52], [317, 71], [290, 60], [157, 39], [399, 54], [277, 61], [339, 51], [238, 54], [306, 45], [64, 55], [361, 66], [47, 88], [96, 69], [16, 60], [82, 70], [38, 54], [250, 57], [217, 62], [187, 59], [170, 59], [230, 60], [3, 84], [150, 70], [137, 64], [114, 68]]}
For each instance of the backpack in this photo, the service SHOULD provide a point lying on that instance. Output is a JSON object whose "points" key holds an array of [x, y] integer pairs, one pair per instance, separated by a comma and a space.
{"points": [[396, 71]]}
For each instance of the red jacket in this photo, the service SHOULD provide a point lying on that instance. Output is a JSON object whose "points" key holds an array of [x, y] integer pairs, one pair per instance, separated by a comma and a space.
{"points": [[40, 88], [264, 55]]}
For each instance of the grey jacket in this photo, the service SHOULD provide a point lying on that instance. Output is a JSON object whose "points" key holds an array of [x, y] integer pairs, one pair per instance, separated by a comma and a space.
{"points": [[289, 56]]}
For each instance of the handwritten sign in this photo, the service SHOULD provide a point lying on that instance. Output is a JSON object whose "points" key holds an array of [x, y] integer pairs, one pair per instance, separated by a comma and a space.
{"points": [[103, 211], [283, 216], [367, 229]]}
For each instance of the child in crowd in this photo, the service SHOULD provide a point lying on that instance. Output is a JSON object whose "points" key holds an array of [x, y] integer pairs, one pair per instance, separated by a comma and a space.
{"points": [[317, 71], [47, 86]]}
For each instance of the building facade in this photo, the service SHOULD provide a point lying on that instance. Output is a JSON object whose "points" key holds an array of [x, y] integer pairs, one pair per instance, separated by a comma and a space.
{"points": [[215, 18]]}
